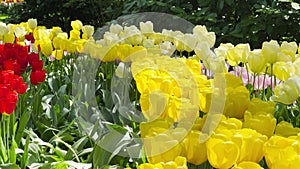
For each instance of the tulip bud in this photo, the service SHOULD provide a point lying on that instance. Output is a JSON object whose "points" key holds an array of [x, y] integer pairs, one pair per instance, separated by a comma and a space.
{"points": [[88, 30], [32, 23], [76, 25], [256, 61], [270, 51]]}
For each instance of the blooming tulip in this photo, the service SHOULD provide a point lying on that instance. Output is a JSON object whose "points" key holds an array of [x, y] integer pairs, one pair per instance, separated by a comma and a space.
{"points": [[283, 70], [256, 61], [281, 152], [32, 23], [221, 153], [77, 25], [250, 143], [288, 91], [195, 148], [261, 122], [270, 51], [257, 105], [37, 77], [146, 28], [247, 165], [286, 129]]}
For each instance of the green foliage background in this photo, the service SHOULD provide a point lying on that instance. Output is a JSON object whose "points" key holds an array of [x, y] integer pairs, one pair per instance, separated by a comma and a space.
{"points": [[235, 21]]}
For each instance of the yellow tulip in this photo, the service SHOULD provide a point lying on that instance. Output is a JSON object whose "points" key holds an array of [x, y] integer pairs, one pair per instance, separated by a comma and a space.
{"points": [[247, 165], [160, 123], [181, 162], [146, 28], [283, 70], [115, 28], [88, 30], [161, 148], [286, 129], [201, 33], [250, 144], [70, 46], [289, 49], [77, 25], [9, 38], [238, 54], [222, 50], [32, 23], [195, 148], [46, 48], [58, 54], [237, 101], [257, 105], [229, 123], [256, 61], [146, 166], [281, 152], [288, 91], [56, 31], [74, 34], [221, 154], [270, 51], [262, 122], [3, 29], [20, 31]]}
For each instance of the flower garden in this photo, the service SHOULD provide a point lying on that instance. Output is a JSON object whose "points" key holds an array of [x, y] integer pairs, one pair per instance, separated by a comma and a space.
{"points": [[138, 98]]}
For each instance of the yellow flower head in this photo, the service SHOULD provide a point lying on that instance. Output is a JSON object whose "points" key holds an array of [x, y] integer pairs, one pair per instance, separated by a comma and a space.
{"points": [[270, 51], [32, 23], [288, 91], [76, 25]]}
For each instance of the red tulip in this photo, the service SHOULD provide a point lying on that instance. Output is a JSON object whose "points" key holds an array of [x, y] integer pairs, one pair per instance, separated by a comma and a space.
{"points": [[12, 65], [37, 77], [37, 65]]}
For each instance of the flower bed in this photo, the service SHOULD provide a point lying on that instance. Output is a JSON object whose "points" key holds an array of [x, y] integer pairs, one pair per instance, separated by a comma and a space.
{"points": [[168, 96]]}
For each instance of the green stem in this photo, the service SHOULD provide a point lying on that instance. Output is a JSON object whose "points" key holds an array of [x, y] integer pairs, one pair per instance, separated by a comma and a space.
{"points": [[263, 86]]}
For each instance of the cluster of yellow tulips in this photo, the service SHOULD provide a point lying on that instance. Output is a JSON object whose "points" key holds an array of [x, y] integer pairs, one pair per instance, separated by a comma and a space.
{"points": [[193, 116]]}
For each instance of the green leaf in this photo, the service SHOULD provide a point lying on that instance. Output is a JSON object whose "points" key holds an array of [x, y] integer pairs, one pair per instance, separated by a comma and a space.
{"points": [[12, 152], [109, 146], [24, 159], [229, 2], [77, 147], [3, 152], [220, 5], [23, 123], [9, 166]]}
